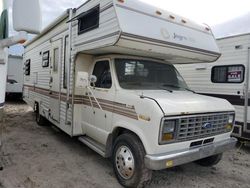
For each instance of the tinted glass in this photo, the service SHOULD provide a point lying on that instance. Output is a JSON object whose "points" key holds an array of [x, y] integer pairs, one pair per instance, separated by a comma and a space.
{"points": [[102, 72], [89, 20], [66, 61], [143, 74], [45, 62], [56, 59], [228, 74]]}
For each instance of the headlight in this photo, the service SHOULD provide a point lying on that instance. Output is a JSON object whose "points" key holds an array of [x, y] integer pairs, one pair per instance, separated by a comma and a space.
{"points": [[230, 122], [231, 119], [167, 131]]}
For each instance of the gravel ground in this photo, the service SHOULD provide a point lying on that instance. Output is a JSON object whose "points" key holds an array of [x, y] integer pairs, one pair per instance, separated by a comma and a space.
{"points": [[44, 157]]}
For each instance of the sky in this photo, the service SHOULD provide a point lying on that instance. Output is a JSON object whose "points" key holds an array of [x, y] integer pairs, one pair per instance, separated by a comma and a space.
{"points": [[226, 17]]}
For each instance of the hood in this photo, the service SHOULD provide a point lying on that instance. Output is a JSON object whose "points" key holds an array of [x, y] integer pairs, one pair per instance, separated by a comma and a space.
{"points": [[184, 102]]}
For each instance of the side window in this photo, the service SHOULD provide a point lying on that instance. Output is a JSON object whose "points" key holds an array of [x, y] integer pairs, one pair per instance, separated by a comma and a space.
{"points": [[55, 59], [228, 74], [102, 72], [66, 61], [45, 60], [27, 67], [89, 20]]}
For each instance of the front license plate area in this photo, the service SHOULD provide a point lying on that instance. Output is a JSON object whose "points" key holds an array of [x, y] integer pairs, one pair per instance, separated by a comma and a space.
{"points": [[206, 151]]}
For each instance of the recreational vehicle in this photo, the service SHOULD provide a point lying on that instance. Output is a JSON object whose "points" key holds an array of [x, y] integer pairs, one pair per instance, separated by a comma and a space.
{"points": [[104, 73], [227, 78], [14, 85]]}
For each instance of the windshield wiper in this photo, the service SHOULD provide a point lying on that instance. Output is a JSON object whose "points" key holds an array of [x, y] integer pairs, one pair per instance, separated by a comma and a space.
{"points": [[170, 91], [175, 86], [190, 90]]}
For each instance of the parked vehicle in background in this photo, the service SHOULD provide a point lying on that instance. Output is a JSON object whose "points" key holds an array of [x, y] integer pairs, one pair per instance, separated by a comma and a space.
{"points": [[227, 78], [14, 86], [100, 73], [23, 21]]}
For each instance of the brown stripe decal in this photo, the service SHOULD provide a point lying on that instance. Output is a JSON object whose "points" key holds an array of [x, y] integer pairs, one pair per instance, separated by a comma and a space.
{"points": [[111, 106]]}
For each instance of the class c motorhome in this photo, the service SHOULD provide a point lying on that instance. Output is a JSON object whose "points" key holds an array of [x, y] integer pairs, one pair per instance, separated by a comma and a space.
{"points": [[104, 73], [227, 78]]}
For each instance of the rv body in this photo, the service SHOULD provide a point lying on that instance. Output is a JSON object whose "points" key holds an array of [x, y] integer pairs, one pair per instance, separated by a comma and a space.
{"points": [[120, 105], [14, 85], [227, 78]]}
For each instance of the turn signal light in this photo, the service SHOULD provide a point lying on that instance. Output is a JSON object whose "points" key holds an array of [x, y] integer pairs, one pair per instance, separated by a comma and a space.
{"points": [[229, 127], [167, 136], [121, 1], [169, 164], [21, 41]]}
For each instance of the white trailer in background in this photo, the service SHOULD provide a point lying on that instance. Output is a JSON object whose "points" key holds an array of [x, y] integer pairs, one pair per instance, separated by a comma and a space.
{"points": [[24, 21], [14, 87], [227, 78], [103, 72]]}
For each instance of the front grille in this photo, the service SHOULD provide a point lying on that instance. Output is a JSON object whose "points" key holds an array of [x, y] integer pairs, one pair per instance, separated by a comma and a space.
{"points": [[193, 127]]}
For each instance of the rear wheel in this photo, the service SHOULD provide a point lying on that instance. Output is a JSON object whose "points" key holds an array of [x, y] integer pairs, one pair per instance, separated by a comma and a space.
{"points": [[40, 120], [210, 161], [128, 161]]}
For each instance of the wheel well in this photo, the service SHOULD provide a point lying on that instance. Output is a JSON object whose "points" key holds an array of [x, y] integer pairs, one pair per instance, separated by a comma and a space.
{"points": [[112, 137]]}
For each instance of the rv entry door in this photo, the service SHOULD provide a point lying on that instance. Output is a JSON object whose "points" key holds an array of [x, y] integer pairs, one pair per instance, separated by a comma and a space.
{"points": [[55, 92]]}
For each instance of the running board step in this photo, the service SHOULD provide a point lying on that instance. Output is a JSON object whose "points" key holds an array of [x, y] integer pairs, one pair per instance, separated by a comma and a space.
{"points": [[97, 147]]}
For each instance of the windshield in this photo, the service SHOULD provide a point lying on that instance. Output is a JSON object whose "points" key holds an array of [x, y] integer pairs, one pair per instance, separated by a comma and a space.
{"points": [[148, 75]]}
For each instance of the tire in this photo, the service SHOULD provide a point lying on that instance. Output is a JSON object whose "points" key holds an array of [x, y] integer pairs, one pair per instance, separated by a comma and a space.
{"points": [[40, 120], [128, 155], [210, 161]]}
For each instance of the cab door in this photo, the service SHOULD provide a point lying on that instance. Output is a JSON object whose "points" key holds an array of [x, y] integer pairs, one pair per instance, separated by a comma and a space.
{"points": [[102, 96], [55, 80]]}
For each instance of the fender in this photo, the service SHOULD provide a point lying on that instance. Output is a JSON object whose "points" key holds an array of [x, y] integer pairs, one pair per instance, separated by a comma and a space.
{"points": [[126, 126]]}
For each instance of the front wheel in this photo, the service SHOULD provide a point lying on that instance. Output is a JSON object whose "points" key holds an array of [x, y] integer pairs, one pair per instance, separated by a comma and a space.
{"points": [[128, 161], [210, 161]]}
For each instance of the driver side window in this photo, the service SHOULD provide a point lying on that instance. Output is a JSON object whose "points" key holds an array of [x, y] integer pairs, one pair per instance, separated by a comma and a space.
{"points": [[103, 75]]}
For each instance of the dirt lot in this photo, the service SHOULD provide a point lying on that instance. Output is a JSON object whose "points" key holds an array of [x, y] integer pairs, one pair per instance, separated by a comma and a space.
{"points": [[47, 158]]}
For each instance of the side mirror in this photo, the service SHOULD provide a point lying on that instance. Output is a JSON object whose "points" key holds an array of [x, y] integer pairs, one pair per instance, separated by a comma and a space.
{"points": [[27, 16], [4, 25], [82, 80], [93, 79]]}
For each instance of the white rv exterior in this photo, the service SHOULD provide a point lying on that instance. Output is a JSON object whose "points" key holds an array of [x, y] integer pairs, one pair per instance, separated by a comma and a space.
{"points": [[235, 86], [15, 76], [90, 80]]}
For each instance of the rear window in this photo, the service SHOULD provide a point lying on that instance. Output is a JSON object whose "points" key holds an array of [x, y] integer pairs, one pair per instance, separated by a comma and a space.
{"points": [[228, 74]]}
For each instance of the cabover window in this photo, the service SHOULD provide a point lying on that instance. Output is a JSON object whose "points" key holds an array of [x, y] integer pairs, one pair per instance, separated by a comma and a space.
{"points": [[27, 67], [45, 62], [89, 20], [228, 74]]}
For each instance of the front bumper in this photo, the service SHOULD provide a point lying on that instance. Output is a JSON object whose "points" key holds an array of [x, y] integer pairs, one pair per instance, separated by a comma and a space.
{"points": [[168, 160]]}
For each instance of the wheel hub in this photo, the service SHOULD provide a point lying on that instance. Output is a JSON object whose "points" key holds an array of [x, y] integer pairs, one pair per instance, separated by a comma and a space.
{"points": [[125, 162]]}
